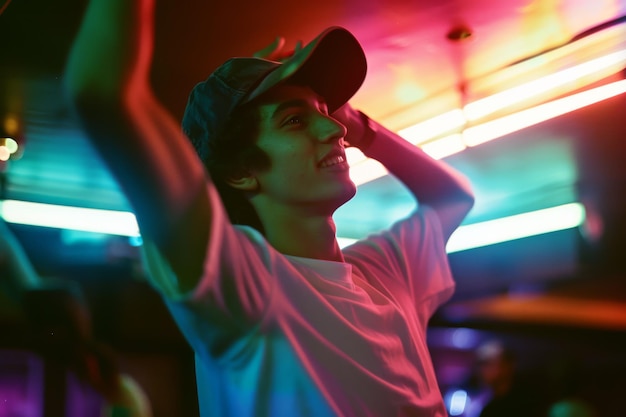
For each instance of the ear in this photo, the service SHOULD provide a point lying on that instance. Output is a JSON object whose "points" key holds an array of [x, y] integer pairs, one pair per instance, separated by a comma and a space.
{"points": [[244, 181]]}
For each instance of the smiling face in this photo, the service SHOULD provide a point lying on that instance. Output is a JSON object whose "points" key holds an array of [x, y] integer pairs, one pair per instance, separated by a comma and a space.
{"points": [[308, 168]]}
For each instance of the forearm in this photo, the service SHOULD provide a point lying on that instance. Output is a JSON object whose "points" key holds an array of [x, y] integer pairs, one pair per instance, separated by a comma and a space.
{"points": [[102, 62], [107, 79], [431, 181], [113, 48]]}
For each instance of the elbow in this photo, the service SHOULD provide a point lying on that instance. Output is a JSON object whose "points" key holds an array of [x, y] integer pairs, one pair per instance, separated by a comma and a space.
{"points": [[453, 211], [83, 95], [461, 204], [96, 104], [463, 198], [468, 196], [467, 199], [88, 91], [91, 107]]}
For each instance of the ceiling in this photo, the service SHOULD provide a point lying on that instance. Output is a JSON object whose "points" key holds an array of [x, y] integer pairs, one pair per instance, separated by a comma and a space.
{"points": [[415, 71]]}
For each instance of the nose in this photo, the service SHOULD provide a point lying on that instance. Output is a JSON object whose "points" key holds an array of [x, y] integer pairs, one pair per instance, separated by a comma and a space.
{"points": [[329, 129]]}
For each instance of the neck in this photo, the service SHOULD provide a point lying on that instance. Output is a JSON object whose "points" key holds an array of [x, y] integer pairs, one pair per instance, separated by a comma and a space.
{"points": [[298, 234]]}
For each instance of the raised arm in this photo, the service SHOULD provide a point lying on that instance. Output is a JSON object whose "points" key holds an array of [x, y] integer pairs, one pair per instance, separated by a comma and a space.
{"points": [[108, 82], [432, 182]]}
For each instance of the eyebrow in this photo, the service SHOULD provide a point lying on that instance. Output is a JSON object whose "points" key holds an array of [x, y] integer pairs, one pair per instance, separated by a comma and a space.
{"points": [[297, 102]]}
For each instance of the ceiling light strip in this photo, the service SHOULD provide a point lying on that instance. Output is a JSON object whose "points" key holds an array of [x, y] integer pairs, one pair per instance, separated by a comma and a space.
{"points": [[465, 237], [515, 227], [509, 228], [73, 218], [420, 133], [485, 132], [364, 171], [496, 102]]}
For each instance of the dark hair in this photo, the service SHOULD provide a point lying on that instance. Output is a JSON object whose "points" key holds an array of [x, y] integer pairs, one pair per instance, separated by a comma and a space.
{"points": [[232, 151]]}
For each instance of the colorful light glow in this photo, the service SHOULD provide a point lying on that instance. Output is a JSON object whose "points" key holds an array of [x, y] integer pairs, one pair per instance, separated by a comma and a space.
{"points": [[515, 227], [465, 237], [519, 226], [73, 218], [362, 171], [457, 402], [10, 144], [438, 125], [11, 124], [445, 146], [485, 132], [366, 171], [496, 102], [427, 133], [5, 154], [354, 156]]}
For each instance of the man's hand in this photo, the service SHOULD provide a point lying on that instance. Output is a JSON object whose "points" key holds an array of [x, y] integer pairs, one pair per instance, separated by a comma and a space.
{"points": [[356, 123]]}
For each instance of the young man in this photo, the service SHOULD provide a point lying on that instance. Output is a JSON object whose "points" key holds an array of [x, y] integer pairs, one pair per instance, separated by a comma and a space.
{"points": [[282, 322]]}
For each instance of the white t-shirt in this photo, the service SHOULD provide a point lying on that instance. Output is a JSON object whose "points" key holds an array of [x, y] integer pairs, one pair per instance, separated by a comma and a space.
{"points": [[278, 335]]}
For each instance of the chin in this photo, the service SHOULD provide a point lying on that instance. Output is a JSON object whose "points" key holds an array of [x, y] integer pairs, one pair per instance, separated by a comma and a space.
{"points": [[348, 192], [340, 194]]}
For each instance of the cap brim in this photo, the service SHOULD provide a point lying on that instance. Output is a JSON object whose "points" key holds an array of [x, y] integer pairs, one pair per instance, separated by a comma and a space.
{"points": [[333, 65]]}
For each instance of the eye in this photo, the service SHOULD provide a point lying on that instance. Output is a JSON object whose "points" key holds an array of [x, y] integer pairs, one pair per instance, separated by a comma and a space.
{"points": [[293, 120]]}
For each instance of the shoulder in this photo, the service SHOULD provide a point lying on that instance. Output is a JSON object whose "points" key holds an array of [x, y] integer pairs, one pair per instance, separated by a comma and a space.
{"points": [[418, 231], [232, 247]]}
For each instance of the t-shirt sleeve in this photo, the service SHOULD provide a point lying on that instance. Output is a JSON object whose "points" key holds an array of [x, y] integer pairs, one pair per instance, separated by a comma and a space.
{"points": [[411, 256], [237, 277]]}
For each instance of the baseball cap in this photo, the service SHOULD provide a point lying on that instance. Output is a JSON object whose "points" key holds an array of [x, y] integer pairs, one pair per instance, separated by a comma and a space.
{"points": [[333, 65]]}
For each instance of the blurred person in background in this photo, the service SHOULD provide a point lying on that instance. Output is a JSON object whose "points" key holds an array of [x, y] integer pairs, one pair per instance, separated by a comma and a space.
{"points": [[60, 329], [508, 394]]}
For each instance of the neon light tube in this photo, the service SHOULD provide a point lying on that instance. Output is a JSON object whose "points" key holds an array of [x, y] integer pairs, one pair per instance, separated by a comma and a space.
{"points": [[509, 228], [74, 218], [431, 128], [465, 237], [515, 227], [496, 102], [445, 146], [362, 171], [422, 132], [485, 132]]}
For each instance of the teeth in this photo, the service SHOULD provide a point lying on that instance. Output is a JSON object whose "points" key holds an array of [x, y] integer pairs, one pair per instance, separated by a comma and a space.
{"points": [[332, 161]]}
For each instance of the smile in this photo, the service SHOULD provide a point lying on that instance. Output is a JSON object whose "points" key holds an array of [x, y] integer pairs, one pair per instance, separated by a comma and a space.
{"points": [[334, 160]]}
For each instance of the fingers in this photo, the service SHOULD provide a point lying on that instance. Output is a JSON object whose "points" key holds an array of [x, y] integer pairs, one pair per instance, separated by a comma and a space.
{"points": [[273, 51], [298, 46], [352, 120]]}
